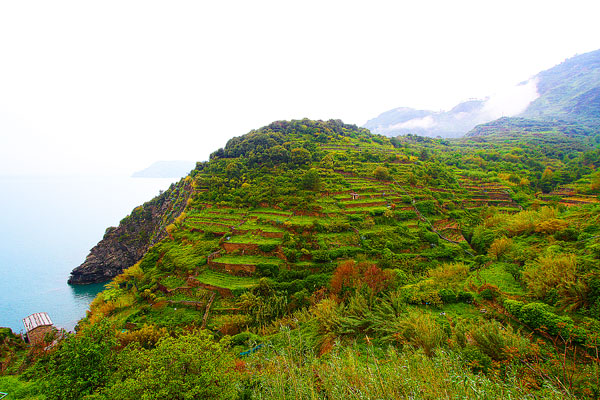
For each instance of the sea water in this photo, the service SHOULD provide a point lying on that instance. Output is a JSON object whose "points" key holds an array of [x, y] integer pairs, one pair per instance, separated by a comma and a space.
{"points": [[47, 227]]}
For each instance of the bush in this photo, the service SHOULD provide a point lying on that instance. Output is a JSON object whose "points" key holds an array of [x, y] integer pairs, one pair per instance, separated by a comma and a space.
{"points": [[488, 294], [465, 297], [476, 359], [500, 247], [426, 207], [190, 366], [267, 248], [567, 235], [551, 272], [267, 269], [321, 256], [291, 254], [80, 365], [381, 173], [448, 296], [404, 215], [496, 340], [514, 307], [242, 339], [421, 330], [539, 316], [431, 237]]}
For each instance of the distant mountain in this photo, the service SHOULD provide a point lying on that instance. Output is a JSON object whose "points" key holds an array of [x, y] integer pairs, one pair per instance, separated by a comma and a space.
{"points": [[569, 92], [453, 123], [166, 169]]}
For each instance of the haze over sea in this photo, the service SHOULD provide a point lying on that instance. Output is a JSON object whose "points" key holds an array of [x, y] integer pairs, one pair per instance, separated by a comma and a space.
{"points": [[47, 227]]}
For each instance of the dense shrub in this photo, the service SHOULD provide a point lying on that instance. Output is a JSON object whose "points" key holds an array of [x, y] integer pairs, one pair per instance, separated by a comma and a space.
{"points": [[426, 207], [267, 269], [267, 248], [321, 256]]}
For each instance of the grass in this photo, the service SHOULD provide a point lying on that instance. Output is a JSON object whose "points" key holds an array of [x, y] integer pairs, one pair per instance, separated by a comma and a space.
{"points": [[247, 260], [344, 238], [253, 225], [351, 372], [497, 275], [271, 210], [214, 278], [253, 239], [222, 219], [376, 209], [20, 389], [172, 282], [207, 227]]}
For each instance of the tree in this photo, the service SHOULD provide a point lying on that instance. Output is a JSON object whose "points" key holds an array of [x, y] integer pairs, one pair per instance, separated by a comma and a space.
{"points": [[547, 182], [381, 173], [279, 154], [301, 156], [327, 162], [311, 180], [81, 363]]}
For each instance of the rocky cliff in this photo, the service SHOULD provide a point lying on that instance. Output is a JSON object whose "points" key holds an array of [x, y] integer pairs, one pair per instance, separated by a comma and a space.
{"points": [[123, 246]]}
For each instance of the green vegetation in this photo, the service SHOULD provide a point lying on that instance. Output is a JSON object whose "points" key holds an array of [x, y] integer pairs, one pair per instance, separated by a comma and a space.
{"points": [[360, 266], [226, 281]]}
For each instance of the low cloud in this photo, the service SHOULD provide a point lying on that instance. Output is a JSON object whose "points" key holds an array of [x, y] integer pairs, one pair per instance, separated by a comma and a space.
{"points": [[511, 101], [423, 123]]}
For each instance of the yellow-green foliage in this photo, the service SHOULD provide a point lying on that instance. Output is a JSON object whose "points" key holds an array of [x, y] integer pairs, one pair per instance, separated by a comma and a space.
{"points": [[499, 342], [327, 314], [170, 229], [356, 373], [180, 218], [132, 273], [449, 274], [420, 330], [549, 272], [526, 221], [500, 247], [147, 336], [551, 226]]}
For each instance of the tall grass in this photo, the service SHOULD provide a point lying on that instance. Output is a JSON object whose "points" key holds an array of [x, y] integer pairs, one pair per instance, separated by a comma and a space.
{"points": [[356, 372]]}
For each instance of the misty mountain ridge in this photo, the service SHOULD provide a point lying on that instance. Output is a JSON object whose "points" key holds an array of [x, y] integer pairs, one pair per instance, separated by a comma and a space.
{"points": [[569, 91]]}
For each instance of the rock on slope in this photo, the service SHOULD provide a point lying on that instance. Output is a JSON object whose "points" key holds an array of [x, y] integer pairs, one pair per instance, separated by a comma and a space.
{"points": [[123, 246]]}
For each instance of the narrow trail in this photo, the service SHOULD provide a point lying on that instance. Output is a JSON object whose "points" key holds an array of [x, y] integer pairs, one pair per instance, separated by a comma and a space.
{"points": [[212, 297]]}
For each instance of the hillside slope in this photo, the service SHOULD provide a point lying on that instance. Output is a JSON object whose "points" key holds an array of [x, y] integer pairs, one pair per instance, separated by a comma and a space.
{"points": [[569, 91], [313, 258]]}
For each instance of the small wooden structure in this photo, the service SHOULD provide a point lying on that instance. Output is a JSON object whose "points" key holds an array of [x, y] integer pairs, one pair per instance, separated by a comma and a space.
{"points": [[354, 195], [36, 326]]}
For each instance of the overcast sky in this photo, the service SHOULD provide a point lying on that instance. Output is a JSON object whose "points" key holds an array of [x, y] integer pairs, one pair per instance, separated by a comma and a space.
{"points": [[108, 87]]}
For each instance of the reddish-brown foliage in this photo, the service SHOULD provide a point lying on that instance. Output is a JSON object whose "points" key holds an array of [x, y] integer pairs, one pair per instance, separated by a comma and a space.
{"points": [[350, 275]]}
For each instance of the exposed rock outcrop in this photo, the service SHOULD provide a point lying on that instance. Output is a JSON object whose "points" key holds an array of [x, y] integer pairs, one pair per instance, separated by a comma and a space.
{"points": [[125, 245]]}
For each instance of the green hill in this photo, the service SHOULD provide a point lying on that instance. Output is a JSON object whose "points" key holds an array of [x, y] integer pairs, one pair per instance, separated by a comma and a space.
{"points": [[327, 262], [569, 91]]}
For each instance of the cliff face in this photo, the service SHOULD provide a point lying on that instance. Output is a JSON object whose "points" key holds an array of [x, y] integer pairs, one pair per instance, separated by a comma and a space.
{"points": [[125, 245]]}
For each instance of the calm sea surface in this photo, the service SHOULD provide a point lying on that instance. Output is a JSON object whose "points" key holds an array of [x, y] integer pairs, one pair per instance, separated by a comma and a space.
{"points": [[47, 227]]}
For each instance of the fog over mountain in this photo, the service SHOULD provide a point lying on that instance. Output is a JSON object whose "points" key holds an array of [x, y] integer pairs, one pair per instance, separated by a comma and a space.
{"points": [[568, 91]]}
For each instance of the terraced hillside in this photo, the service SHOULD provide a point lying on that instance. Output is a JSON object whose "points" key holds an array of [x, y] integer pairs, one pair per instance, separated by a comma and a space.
{"points": [[305, 239], [293, 200]]}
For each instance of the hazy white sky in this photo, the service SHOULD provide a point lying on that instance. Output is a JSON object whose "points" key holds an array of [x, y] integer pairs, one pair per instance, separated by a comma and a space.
{"points": [[111, 86]]}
